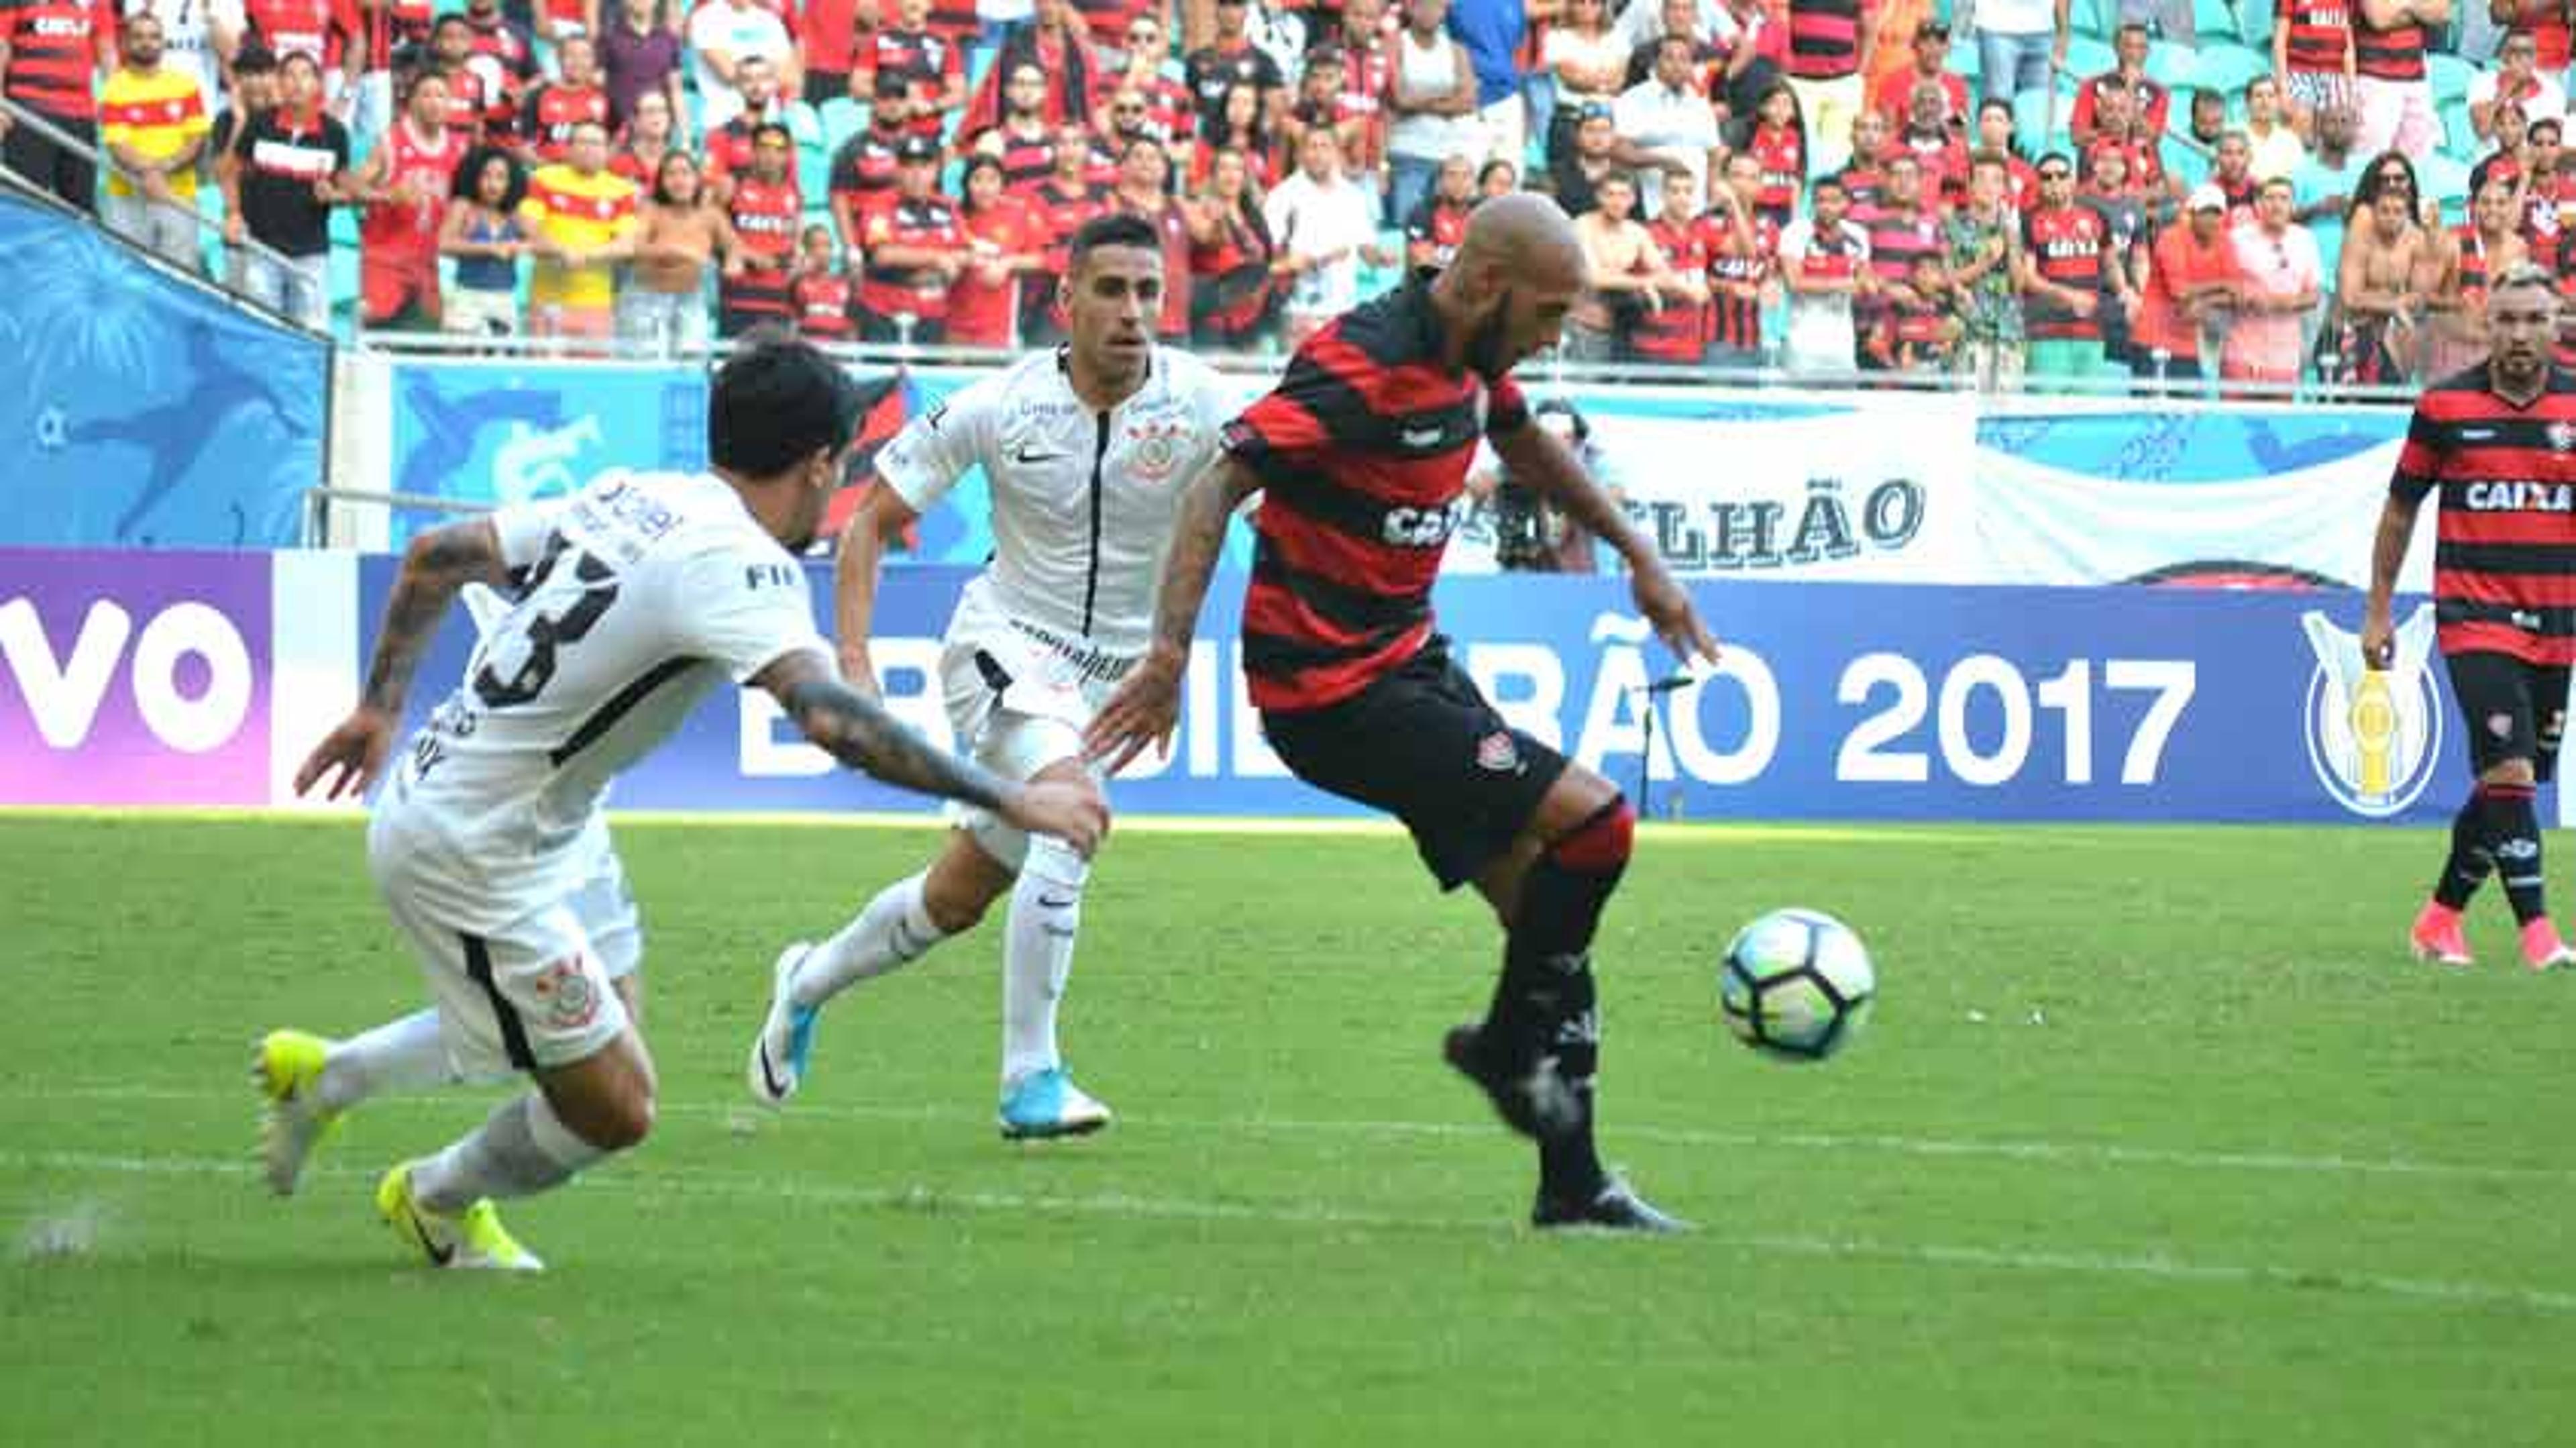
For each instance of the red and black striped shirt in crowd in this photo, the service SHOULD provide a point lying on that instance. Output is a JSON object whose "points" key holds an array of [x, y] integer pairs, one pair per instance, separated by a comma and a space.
{"points": [[863, 171], [765, 215], [1027, 159], [924, 61], [887, 292], [822, 301], [1736, 321], [1824, 38], [2319, 32], [54, 51], [2504, 557], [1677, 331], [553, 109], [1362, 452], [2396, 53], [2066, 245]]}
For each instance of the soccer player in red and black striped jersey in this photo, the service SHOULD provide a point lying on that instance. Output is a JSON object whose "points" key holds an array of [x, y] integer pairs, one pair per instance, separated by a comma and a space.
{"points": [[1361, 455], [2499, 442]]}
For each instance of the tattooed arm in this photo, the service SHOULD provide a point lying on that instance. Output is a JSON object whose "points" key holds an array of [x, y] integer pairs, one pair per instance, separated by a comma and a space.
{"points": [[857, 730], [1146, 704], [437, 564]]}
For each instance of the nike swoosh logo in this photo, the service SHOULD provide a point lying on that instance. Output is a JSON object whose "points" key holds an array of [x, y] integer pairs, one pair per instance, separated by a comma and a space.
{"points": [[1059, 902], [768, 1078], [438, 1255], [1028, 459]]}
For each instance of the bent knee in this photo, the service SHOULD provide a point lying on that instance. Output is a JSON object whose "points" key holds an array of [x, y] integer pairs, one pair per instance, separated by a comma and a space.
{"points": [[626, 1121]]}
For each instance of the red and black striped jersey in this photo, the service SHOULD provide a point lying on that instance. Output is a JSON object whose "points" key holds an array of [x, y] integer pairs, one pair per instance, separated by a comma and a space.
{"points": [[1824, 38], [765, 216], [54, 50], [2504, 557], [553, 109], [296, 27], [2066, 246], [891, 291], [1736, 320], [2473, 263], [1027, 157], [924, 61], [1782, 154], [1059, 213], [1899, 238], [822, 304], [1677, 331], [1432, 233], [2396, 53], [1362, 452], [864, 168], [2320, 31]]}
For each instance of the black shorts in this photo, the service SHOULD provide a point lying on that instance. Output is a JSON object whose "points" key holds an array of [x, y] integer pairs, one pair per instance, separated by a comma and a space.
{"points": [[1422, 744], [2514, 710]]}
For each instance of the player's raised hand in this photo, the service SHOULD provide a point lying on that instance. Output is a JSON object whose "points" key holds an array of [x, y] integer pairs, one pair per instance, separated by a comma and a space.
{"points": [[1072, 810], [353, 754], [1667, 605], [1142, 710]]}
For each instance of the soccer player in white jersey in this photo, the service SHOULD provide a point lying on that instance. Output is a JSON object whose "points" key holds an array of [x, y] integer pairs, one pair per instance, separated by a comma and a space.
{"points": [[632, 600], [1086, 448]]}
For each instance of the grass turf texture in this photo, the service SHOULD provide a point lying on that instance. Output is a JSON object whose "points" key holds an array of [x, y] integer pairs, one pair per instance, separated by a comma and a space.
{"points": [[2156, 1138]]}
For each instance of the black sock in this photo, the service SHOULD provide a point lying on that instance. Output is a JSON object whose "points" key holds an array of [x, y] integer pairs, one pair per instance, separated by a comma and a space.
{"points": [[1546, 1003], [2470, 864], [2513, 839]]}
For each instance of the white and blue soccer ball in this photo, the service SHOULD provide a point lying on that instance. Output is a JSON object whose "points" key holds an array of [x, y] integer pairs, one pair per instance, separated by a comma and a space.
{"points": [[1796, 985]]}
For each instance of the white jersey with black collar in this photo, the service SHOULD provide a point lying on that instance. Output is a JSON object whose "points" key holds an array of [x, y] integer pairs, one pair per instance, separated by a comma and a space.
{"points": [[1083, 500]]}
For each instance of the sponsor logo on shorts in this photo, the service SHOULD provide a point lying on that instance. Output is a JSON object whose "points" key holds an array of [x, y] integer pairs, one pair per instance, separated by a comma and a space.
{"points": [[570, 1000], [1497, 752], [2374, 735]]}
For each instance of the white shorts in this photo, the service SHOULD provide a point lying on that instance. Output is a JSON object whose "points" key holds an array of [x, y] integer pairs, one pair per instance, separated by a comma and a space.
{"points": [[540, 991], [1018, 696]]}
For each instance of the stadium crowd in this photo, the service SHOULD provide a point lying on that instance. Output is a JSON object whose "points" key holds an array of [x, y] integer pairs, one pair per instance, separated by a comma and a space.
{"points": [[2152, 188]]}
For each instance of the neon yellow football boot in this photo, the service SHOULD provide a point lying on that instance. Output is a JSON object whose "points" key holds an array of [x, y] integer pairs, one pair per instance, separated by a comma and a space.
{"points": [[471, 1239], [287, 1066]]}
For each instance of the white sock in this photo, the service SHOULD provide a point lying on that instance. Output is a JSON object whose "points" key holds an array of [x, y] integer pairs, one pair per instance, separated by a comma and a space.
{"points": [[521, 1149], [403, 1055], [1037, 953], [891, 933]]}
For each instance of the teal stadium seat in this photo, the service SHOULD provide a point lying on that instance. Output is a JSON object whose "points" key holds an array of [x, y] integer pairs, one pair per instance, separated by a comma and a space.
{"points": [[2182, 163], [2459, 138], [2450, 76], [2215, 19], [2227, 68], [2169, 65], [842, 118], [2087, 57], [2445, 179]]}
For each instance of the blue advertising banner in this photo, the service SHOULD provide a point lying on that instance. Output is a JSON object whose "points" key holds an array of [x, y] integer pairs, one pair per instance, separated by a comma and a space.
{"points": [[143, 412], [505, 433], [1834, 701]]}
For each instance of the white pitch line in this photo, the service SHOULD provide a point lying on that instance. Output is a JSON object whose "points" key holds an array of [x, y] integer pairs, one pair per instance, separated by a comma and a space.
{"points": [[915, 1197], [2062, 1153]]}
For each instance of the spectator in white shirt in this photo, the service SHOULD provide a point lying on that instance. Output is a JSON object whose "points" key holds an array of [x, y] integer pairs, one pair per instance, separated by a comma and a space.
{"points": [[1666, 116], [2516, 78], [721, 35], [1324, 225]]}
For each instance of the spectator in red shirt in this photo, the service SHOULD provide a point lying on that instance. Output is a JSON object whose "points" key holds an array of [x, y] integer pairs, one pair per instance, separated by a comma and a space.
{"points": [[1061, 203], [2129, 47], [1002, 247], [915, 250], [931, 67], [1237, 275], [1144, 190], [1893, 95], [835, 33], [405, 186], [51, 55], [824, 303], [554, 108], [2190, 294], [648, 138]]}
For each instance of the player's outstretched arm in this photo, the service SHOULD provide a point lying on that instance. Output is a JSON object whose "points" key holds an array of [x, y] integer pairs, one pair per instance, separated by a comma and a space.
{"points": [[436, 565], [1147, 703], [1543, 462], [2387, 555], [881, 517], [856, 730]]}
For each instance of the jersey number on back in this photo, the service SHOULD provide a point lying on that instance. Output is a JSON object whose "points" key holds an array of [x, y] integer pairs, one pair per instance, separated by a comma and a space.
{"points": [[547, 631]]}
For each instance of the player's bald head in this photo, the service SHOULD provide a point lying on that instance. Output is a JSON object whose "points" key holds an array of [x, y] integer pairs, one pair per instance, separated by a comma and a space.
{"points": [[1523, 236]]}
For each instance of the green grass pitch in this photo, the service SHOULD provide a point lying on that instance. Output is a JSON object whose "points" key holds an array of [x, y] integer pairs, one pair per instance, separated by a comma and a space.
{"points": [[2156, 1138]]}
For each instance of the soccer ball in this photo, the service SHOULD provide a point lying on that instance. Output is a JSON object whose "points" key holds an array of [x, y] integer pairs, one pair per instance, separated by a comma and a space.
{"points": [[1796, 985]]}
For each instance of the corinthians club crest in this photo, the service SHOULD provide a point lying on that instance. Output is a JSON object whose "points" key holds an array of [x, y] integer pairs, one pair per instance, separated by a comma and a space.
{"points": [[2373, 735]]}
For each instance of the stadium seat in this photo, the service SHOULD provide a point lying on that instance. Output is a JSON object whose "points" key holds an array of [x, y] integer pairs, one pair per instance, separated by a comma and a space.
{"points": [[2459, 138], [842, 118], [2216, 19], [2169, 65], [2445, 179], [813, 172], [2182, 163], [2087, 57], [2450, 76], [803, 124], [2031, 120], [2226, 69]]}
